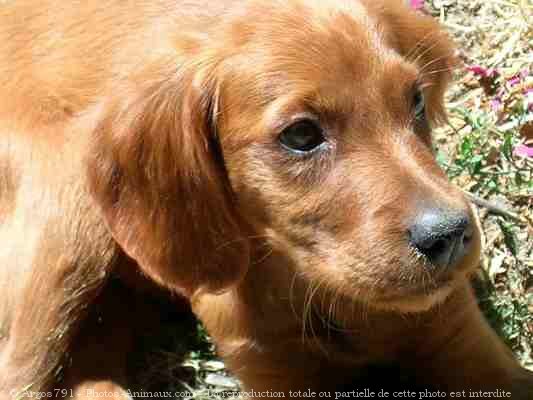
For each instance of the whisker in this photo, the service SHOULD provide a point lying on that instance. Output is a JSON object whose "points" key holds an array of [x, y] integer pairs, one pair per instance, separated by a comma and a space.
{"points": [[438, 71], [412, 54], [291, 295], [242, 239], [308, 309], [433, 61]]}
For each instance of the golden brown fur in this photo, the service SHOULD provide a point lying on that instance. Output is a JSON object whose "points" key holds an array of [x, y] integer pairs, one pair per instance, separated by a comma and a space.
{"points": [[143, 136]]}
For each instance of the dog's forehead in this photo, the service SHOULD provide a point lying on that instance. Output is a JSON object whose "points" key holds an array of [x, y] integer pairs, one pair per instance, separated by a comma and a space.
{"points": [[331, 57], [319, 51], [322, 35]]}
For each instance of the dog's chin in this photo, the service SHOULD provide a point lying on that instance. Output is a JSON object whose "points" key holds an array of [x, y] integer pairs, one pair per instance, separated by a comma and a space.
{"points": [[422, 297], [415, 303]]}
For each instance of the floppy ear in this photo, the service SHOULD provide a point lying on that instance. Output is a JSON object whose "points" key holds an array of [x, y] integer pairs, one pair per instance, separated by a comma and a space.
{"points": [[157, 173], [421, 40]]}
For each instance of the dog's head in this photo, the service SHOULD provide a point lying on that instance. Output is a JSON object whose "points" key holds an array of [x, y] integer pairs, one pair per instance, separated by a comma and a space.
{"points": [[304, 122]]}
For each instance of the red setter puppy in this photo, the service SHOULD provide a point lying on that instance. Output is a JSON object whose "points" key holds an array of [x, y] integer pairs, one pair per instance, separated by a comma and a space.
{"points": [[270, 160]]}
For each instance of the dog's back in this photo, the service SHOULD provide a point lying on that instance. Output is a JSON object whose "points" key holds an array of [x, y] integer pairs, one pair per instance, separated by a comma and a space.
{"points": [[66, 69]]}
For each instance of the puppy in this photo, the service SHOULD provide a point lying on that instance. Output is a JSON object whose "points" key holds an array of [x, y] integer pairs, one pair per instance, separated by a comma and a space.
{"points": [[363, 249], [270, 160]]}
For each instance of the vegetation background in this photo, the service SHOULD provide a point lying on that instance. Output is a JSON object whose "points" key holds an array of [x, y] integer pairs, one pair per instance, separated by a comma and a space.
{"points": [[486, 148]]}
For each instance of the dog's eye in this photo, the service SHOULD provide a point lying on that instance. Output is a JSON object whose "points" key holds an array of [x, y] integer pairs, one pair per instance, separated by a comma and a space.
{"points": [[419, 105], [302, 136]]}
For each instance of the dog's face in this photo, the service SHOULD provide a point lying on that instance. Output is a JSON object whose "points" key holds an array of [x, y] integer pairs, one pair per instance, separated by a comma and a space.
{"points": [[308, 122], [325, 130]]}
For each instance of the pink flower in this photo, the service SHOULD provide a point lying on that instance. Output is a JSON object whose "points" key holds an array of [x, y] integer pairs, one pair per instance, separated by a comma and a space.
{"points": [[519, 77], [528, 94], [523, 151], [477, 70], [482, 71], [496, 104], [416, 4], [514, 80]]}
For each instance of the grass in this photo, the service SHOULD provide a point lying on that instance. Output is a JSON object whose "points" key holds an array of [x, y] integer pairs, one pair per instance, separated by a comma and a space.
{"points": [[489, 116]]}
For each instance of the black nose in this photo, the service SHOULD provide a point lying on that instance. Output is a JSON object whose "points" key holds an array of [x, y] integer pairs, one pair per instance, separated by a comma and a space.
{"points": [[442, 236]]}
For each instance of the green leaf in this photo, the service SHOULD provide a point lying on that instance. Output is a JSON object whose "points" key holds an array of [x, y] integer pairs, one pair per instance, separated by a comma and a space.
{"points": [[509, 236]]}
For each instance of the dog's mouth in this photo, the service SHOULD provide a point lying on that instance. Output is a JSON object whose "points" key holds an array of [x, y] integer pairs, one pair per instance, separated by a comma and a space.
{"points": [[430, 284]]}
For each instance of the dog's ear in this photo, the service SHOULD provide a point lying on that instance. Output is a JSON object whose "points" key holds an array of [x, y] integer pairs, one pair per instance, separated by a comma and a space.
{"points": [[420, 39], [158, 175]]}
